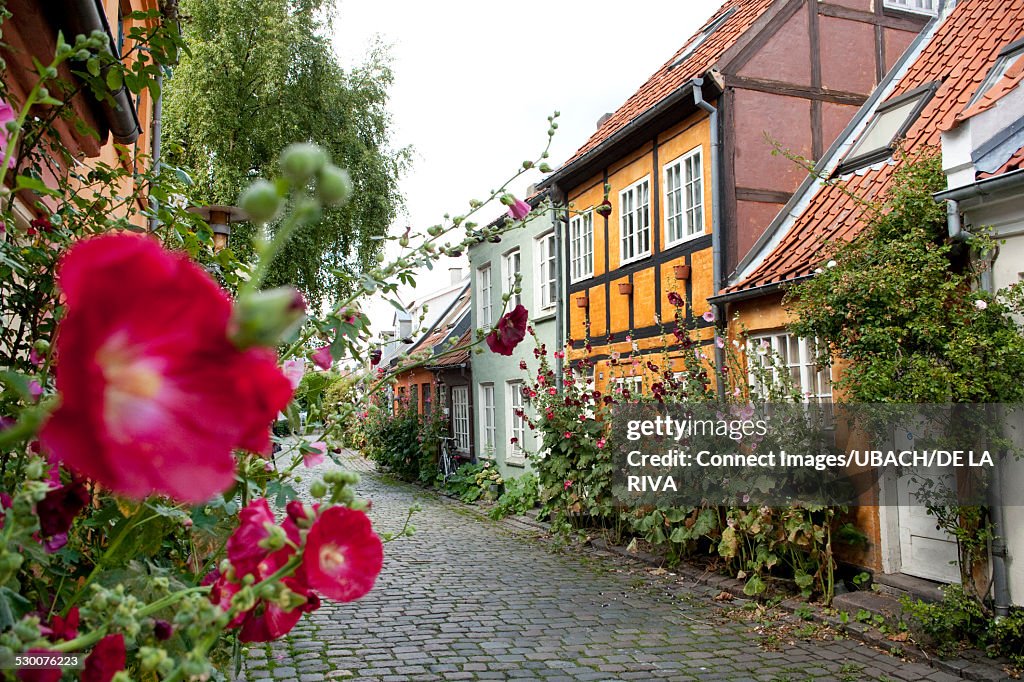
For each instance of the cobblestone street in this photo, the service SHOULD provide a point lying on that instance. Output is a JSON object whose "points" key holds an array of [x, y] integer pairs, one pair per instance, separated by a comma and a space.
{"points": [[467, 599]]}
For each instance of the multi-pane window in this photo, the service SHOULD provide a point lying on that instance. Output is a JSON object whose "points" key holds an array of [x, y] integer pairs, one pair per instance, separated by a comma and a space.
{"points": [[633, 384], [635, 221], [515, 419], [487, 409], [782, 358], [414, 397], [426, 399], [581, 246], [547, 271], [684, 198], [483, 276], [460, 417], [1008, 56], [891, 122], [922, 6], [511, 264]]}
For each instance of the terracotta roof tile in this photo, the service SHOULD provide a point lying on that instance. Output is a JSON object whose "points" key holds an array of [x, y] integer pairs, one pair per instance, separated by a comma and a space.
{"points": [[671, 75], [962, 51], [456, 355]]}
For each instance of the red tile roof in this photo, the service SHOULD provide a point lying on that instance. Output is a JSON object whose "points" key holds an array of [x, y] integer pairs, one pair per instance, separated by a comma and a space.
{"points": [[1013, 76], [959, 55], [456, 355], [669, 78]]}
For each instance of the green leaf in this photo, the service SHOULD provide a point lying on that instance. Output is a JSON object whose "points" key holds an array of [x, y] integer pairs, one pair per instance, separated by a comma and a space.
{"points": [[34, 185], [754, 586], [92, 65], [115, 79]]}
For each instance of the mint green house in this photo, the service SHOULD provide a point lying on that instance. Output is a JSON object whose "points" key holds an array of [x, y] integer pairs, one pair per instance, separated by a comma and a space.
{"points": [[535, 252]]}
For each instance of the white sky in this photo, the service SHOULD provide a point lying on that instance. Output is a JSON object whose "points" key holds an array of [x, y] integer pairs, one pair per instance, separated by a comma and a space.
{"points": [[475, 82]]}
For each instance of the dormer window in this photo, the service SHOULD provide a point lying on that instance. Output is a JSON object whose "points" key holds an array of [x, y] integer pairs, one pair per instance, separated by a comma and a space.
{"points": [[929, 7], [890, 123], [1008, 56], [713, 26]]}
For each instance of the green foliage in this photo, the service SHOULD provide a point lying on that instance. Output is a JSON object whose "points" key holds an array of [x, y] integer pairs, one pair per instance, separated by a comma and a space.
{"points": [[900, 307], [394, 441], [958, 622], [472, 482], [262, 75], [522, 494]]}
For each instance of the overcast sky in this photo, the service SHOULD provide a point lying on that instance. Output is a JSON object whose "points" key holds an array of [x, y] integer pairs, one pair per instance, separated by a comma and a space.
{"points": [[475, 82]]}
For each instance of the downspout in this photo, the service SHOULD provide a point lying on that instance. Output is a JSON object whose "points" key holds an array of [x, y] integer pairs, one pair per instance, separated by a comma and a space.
{"points": [[717, 265], [560, 227], [998, 551], [84, 17], [158, 109]]}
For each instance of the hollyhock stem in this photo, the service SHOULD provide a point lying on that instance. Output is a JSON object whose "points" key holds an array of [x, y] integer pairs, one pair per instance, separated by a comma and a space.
{"points": [[30, 101], [302, 213]]}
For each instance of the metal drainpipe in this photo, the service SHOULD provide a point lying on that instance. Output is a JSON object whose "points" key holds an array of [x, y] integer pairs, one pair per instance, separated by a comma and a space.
{"points": [[556, 219], [158, 109], [717, 266], [1000, 583]]}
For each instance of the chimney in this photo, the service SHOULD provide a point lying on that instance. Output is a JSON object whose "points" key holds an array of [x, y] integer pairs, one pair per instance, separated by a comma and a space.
{"points": [[531, 190], [404, 329], [456, 274], [601, 121]]}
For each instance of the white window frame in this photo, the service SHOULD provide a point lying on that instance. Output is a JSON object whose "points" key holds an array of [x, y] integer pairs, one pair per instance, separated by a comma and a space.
{"points": [[1008, 56], [484, 305], [929, 7], [460, 417], [685, 203], [634, 383], [802, 365], [487, 430], [581, 246], [635, 212], [547, 283], [511, 265], [515, 426]]}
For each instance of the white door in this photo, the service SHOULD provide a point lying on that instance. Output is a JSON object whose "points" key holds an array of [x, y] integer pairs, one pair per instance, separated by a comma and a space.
{"points": [[460, 417], [925, 551]]}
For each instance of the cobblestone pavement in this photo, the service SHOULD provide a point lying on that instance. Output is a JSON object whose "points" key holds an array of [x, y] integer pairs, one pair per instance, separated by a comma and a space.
{"points": [[467, 599]]}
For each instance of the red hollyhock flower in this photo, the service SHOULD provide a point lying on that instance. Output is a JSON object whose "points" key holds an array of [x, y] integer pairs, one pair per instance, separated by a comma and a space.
{"points": [[268, 621], [675, 299], [343, 556], [243, 546], [375, 356], [154, 395], [62, 627], [57, 511], [107, 658], [510, 331]]}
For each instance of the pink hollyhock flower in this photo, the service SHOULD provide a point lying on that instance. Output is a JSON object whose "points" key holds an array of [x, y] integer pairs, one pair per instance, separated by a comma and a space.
{"points": [[510, 331], [567, 485], [720, 342], [243, 547], [34, 388], [36, 358], [559, 355], [108, 657], [154, 395], [322, 357], [343, 556], [601, 443], [519, 209], [709, 316], [221, 592], [567, 435], [312, 459], [552, 391], [7, 114], [981, 304], [293, 370], [675, 299]]}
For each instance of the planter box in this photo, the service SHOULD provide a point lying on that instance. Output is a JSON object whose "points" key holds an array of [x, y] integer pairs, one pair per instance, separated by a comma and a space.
{"points": [[682, 271], [626, 288], [582, 301]]}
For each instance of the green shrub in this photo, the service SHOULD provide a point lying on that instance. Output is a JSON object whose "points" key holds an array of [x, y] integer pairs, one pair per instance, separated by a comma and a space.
{"points": [[472, 482], [522, 494], [949, 625]]}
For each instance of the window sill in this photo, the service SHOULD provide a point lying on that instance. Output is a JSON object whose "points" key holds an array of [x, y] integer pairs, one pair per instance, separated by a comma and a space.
{"points": [[515, 463], [684, 240], [635, 259], [543, 317]]}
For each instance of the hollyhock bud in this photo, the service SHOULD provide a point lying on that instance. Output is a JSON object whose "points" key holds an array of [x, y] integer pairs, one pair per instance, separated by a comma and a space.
{"points": [[375, 356], [334, 185], [604, 209], [343, 556], [143, 372], [322, 357], [301, 161], [265, 318], [518, 209], [260, 201], [162, 630]]}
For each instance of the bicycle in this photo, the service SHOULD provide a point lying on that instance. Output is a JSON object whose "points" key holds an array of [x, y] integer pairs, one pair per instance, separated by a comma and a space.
{"points": [[447, 458]]}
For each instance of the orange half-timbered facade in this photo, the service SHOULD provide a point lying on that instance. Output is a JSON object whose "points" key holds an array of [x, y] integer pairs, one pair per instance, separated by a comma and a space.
{"points": [[678, 184]]}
